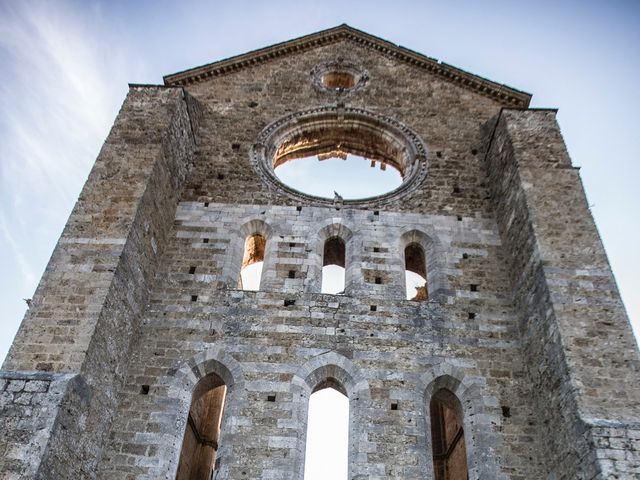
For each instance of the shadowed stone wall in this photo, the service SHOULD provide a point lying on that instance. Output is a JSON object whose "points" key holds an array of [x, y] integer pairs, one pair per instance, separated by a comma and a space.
{"points": [[583, 360]]}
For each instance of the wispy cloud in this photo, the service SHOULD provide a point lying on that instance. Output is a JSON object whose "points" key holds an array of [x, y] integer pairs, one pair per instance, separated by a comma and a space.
{"points": [[57, 97], [61, 83], [26, 270]]}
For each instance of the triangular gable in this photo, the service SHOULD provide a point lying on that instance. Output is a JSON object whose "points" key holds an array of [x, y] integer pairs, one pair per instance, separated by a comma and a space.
{"points": [[499, 92]]}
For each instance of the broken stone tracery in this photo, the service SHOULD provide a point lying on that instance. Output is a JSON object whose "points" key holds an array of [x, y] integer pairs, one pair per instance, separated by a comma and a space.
{"points": [[338, 140]]}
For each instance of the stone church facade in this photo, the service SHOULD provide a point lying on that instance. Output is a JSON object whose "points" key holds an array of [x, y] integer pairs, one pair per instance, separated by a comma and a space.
{"points": [[141, 357]]}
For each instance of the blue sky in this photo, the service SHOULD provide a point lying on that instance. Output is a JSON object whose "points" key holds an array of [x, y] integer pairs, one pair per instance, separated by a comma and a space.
{"points": [[325, 178], [64, 69]]}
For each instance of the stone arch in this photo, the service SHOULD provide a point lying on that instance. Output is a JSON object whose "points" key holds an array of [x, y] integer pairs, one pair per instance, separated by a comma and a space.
{"points": [[332, 364], [330, 228], [181, 387], [213, 360], [480, 421], [256, 225], [435, 257], [334, 227], [339, 370]]}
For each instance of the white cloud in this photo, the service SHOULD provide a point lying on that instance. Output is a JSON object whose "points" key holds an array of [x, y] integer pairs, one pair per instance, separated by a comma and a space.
{"points": [[26, 270], [62, 82]]}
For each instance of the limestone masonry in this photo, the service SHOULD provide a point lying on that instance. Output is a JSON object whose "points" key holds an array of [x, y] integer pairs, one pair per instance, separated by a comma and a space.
{"points": [[141, 356]]}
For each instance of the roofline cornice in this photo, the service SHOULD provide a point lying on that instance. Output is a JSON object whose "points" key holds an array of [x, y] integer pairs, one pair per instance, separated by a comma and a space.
{"points": [[499, 92]]}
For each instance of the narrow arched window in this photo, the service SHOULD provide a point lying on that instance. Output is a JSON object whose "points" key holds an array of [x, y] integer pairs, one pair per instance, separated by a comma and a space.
{"points": [[416, 272], [202, 433], [252, 262], [447, 434], [333, 266], [326, 454]]}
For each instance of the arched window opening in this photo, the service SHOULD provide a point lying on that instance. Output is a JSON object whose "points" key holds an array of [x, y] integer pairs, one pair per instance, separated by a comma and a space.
{"points": [[327, 433], [252, 262], [202, 433], [416, 272], [333, 266], [447, 434], [332, 176], [323, 159]]}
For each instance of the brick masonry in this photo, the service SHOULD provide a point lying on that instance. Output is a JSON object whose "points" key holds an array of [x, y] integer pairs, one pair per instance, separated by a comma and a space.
{"points": [[546, 368]]}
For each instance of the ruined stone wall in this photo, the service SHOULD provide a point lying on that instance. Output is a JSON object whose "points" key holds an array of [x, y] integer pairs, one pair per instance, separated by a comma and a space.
{"points": [[447, 118], [580, 353], [28, 403], [388, 349], [140, 302], [86, 309], [389, 344]]}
